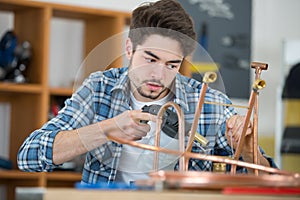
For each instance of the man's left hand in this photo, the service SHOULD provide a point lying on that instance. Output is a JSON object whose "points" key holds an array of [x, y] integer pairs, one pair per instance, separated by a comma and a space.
{"points": [[234, 128]]}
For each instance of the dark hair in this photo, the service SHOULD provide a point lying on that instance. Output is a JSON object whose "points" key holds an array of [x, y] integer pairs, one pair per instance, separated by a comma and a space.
{"points": [[166, 18]]}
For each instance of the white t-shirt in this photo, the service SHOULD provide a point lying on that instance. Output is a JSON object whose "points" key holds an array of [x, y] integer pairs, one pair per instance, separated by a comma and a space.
{"points": [[136, 163]]}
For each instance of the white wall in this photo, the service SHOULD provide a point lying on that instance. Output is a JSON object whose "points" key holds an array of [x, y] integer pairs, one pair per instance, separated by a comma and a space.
{"points": [[272, 23]]}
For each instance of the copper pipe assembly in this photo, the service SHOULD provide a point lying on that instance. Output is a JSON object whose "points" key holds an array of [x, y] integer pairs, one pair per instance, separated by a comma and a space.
{"points": [[185, 153]]}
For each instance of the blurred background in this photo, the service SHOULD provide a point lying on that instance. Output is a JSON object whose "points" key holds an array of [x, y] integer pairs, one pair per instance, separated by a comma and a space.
{"points": [[233, 32]]}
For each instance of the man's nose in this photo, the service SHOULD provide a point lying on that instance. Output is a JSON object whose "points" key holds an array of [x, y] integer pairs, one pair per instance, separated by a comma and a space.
{"points": [[158, 70]]}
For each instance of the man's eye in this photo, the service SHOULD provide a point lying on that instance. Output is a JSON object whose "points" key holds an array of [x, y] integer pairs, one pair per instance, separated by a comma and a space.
{"points": [[170, 66], [150, 60]]}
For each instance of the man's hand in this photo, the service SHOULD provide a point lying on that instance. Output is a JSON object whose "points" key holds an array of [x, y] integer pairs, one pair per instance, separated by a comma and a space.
{"points": [[128, 125], [234, 128]]}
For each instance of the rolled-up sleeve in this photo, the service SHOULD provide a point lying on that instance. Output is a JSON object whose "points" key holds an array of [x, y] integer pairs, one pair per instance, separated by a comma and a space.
{"points": [[36, 152]]}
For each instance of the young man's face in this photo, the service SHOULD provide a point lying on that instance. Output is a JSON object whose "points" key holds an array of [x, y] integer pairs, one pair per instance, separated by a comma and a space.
{"points": [[153, 67]]}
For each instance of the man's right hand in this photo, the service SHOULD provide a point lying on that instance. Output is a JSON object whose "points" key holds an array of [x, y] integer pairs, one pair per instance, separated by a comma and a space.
{"points": [[128, 125]]}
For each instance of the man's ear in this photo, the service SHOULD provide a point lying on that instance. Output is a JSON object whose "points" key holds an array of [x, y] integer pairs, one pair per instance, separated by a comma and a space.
{"points": [[128, 48]]}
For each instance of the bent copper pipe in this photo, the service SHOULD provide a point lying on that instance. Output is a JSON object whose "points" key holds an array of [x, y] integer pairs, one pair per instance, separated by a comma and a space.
{"points": [[181, 133]]}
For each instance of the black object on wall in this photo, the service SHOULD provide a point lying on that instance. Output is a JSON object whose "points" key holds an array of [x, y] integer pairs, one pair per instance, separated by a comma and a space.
{"points": [[224, 30], [291, 88], [291, 140]]}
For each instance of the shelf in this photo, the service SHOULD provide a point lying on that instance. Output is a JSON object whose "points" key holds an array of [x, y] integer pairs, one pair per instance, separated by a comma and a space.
{"points": [[20, 88], [64, 176], [75, 12], [41, 177], [61, 91], [61, 10], [16, 178], [13, 5], [30, 102], [15, 174]]}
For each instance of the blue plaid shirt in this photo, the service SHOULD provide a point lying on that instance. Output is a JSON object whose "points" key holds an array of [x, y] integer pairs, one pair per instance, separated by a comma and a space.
{"points": [[106, 94]]}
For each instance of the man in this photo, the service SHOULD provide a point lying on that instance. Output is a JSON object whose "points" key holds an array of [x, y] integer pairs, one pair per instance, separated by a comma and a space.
{"points": [[108, 104]]}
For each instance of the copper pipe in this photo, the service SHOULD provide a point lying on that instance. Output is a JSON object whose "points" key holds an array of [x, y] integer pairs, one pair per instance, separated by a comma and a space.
{"points": [[200, 156], [225, 104], [255, 133], [181, 133], [257, 85], [258, 68], [196, 180], [209, 77]]}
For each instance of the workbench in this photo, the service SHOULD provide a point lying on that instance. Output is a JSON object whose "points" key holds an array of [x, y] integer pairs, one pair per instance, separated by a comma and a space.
{"points": [[75, 194]]}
